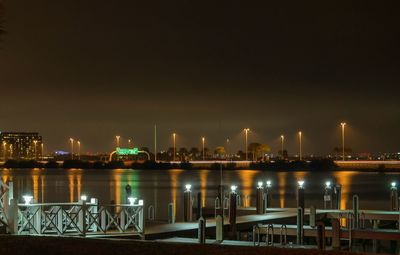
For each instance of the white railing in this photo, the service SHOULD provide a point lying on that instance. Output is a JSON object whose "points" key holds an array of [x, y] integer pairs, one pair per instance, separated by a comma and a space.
{"points": [[79, 219], [5, 196]]}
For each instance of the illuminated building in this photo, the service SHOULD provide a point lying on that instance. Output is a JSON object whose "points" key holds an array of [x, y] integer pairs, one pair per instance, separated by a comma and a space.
{"points": [[20, 145]]}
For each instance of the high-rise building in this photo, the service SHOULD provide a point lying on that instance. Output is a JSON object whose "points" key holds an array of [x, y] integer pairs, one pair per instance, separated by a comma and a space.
{"points": [[20, 145]]}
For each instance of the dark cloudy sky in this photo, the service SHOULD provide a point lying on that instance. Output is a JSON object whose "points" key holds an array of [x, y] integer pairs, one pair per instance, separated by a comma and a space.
{"points": [[93, 69]]}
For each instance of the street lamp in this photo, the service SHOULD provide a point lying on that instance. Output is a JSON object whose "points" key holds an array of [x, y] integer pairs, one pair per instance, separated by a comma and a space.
{"points": [[282, 141], [35, 143], [343, 124], [4, 150], [174, 141], [27, 199], [246, 131], [117, 137], [129, 143], [42, 150], [233, 188], [79, 150], [227, 149], [132, 200], [72, 148], [203, 139], [301, 149]]}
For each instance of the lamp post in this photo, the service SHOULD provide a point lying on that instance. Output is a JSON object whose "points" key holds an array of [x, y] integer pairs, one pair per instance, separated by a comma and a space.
{"points": [[79, 150], [203, 139], [35, 143], [227, 149], [246, 131], [174, 141], [282, 141], [4, 150], [42, 150], [129, 143], [301, 149], [343, 124], [72, 148], [117, 137]]}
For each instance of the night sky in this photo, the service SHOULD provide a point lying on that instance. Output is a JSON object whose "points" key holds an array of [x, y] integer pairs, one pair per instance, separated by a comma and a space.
{"points": [[94, 69]]}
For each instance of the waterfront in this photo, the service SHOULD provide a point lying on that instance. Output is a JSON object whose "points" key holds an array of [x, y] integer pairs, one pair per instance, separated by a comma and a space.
{"points": [[160, 187]]}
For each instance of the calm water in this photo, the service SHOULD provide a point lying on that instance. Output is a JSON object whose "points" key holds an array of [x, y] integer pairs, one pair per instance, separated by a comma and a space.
{"points": [[160, 187]]}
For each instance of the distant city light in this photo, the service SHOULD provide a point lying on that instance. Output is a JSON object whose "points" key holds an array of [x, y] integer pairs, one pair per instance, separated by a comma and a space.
{"points": [[269, 183], [188, 187], [84, 197], [260, 185], [301, 184], [394, 184]]}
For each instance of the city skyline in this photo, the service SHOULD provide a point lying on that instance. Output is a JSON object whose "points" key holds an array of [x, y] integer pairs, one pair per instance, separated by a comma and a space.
{"points": [[201, 71], [233, 144]]}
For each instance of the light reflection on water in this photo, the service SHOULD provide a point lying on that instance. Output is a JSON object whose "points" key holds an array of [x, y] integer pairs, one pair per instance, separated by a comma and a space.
{"points": [[160, 187]]}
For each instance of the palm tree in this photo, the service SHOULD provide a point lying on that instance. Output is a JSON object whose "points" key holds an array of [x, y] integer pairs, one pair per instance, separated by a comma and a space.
{"points": [[220, 151], [264, 149], [183, 153], [194, 152], [254, 149]]}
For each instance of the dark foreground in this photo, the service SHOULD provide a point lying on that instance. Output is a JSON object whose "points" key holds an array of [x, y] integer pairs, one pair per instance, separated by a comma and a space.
{"points": [[14, 245]]}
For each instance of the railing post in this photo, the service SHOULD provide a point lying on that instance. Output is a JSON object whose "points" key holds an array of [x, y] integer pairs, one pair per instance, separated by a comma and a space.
{"points": [[300, 212], [268, 196], [300, 223], [394, 198], [94, 209], [328, 196], [338, 196], [260, 206], [13, 217], [82, 218], [270, 232], [171, 213], [6, 197], [199, 213], [202, 231], [187, 206], [232, 212], [122, 218], [60, 225], [336, 234], [219, 229], [104, 219], [313, 216], [321, 235], [356, 205], [37, 218], [141, 221], [283, 235]]}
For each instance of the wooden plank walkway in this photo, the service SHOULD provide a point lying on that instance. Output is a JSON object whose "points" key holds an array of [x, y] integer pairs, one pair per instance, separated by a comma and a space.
{"points": [[231, 243], [371, 234], [244, 221]]}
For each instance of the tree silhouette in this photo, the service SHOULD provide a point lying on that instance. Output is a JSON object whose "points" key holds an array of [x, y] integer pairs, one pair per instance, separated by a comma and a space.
{"points": [[220, 151], [194, 152], [258, 149]]}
